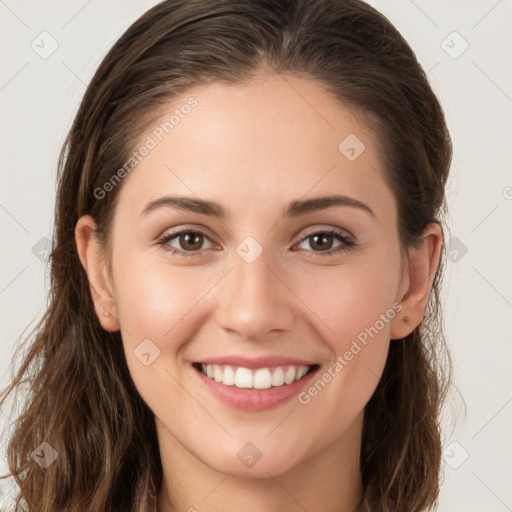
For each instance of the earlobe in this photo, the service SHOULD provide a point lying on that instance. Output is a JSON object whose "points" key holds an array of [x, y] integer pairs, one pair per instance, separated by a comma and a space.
{"points": [[423, 263], [94, 264]]}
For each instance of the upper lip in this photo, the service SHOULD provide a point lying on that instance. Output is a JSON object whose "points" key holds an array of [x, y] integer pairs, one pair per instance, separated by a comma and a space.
{"points": [[256, 362]]}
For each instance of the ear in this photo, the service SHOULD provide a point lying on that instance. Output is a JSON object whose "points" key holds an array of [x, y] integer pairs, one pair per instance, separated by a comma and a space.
{"points": [[93, 260], [417, 282]]}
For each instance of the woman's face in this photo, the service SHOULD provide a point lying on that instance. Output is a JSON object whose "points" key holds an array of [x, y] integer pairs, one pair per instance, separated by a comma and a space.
{"points": [[256, 280]]}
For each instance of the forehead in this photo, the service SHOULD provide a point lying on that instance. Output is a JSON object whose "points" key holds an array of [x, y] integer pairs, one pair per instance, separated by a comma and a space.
{"points": [[271, 140]]}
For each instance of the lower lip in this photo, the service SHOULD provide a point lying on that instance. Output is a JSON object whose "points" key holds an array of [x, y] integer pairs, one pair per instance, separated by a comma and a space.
{"points": [[255, 399]]}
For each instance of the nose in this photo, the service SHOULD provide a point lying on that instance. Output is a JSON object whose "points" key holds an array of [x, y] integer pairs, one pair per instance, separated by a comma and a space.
{"points": [[255, 300]]}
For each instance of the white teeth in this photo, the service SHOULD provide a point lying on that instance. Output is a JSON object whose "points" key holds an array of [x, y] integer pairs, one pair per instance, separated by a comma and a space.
{"points": [[262, 378], [278, 377], [243, 378], [289, 375], [302, 371], [217, 373], [229, 376]]}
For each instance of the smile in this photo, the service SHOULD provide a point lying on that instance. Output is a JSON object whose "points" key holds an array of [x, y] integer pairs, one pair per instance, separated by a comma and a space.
{"points": [[261, 378], [257, 388]]}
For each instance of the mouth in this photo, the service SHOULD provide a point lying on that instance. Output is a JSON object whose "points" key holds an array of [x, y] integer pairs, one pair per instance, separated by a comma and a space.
{"points": [[254, 389], [250, 378]]}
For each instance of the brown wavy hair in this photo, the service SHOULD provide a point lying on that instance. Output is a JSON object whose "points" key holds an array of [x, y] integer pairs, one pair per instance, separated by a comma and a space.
{"points": [[80, 397]]}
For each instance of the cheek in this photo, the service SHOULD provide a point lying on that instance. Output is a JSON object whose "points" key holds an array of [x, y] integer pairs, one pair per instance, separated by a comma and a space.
{"points": [[350, 299], [356, 305], [153, 299], [357, 308], [159, 303]]}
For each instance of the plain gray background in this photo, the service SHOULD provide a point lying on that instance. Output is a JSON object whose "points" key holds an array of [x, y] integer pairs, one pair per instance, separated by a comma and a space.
{"points": [[49, 52]]}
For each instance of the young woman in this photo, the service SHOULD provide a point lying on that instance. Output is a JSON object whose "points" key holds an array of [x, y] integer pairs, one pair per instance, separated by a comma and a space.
{"points": [[244, 304]]}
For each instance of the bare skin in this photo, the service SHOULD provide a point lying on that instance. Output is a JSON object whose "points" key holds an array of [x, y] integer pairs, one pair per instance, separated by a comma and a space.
{"points": [[254, 149]]}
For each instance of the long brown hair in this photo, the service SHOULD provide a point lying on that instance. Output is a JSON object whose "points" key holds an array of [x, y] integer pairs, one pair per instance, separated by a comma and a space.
{"points": [[80, 396]]}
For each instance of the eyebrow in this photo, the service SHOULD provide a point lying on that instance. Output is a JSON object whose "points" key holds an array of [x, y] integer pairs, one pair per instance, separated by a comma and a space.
{"points": [[295, 208]]}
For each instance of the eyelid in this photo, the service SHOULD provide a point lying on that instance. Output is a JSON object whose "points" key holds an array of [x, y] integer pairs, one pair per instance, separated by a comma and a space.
{"points": [[195, 228], [326, 228]]}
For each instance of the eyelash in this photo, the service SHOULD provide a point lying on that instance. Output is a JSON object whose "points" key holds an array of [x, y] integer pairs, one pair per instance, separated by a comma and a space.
{"points": [[347, 243]]}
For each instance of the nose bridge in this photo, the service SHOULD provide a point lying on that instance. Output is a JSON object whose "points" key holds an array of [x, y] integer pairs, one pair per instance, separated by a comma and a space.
{"points": [[254, 301]]}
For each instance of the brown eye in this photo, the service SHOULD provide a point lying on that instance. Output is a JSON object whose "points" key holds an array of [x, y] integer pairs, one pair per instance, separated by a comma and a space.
{"points": [[326, 242], [322, 241], [191, 241], [185, 241]]}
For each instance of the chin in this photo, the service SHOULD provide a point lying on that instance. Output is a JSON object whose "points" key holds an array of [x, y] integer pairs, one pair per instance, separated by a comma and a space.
{"points": [[253, 462]]}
